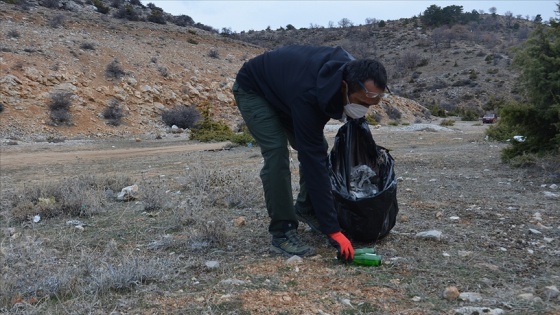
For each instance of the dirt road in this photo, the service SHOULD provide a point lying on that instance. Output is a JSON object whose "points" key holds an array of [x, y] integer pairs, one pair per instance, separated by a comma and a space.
{"points": [[24, 158]]}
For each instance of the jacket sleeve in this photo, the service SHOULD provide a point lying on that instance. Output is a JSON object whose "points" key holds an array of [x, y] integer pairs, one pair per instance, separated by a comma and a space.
{"points": [[313, 156]]}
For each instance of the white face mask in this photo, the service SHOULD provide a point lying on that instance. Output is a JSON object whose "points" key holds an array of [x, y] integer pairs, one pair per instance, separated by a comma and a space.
{"points": [[355, 111]]}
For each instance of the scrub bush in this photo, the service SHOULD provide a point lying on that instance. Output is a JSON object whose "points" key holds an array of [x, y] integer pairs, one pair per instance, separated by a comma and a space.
{"points": [[113, 113], [114, 70], [182, 116], [59, 105], [87, 46]]}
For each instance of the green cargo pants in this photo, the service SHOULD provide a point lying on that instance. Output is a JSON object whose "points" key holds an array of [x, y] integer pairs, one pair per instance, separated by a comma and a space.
{"points": [[266, 127]]}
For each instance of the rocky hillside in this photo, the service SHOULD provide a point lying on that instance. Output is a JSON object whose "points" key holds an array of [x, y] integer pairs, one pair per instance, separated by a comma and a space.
{"points": [[148, 67], [462, 66]]}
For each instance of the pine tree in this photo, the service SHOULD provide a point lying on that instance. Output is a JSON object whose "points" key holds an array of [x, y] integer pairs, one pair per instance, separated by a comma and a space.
{"points": [[538, 117]]}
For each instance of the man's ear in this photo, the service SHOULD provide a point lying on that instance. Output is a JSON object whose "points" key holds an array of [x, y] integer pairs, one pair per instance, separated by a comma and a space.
{"points": [[344, 87]]}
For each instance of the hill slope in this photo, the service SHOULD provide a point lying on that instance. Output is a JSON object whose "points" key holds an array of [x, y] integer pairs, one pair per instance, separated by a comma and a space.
{"points": [[45, 51]]}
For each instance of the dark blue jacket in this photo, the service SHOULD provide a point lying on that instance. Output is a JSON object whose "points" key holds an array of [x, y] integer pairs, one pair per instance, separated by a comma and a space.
{"points": [[303, 83]]}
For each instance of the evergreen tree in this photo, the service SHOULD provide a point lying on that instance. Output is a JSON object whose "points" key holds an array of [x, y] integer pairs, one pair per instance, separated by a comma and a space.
{"points": [[538, 118]]}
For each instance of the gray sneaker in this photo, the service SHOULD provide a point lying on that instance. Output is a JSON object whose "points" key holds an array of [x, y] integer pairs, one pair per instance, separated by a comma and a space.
{"points": [[305, 216], [290, 244]]}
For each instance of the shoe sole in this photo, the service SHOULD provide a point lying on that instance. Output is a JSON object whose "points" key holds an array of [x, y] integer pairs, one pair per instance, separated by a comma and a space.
{"points": [[277, 250]]}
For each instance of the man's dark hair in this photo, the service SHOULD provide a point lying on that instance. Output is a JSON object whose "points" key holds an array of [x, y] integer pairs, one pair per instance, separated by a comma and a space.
{"points": [[362, 70]]}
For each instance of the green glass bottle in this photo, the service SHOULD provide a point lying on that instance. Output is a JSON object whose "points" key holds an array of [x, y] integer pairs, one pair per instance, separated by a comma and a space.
{"points": [[367, 259], [365, 250]]}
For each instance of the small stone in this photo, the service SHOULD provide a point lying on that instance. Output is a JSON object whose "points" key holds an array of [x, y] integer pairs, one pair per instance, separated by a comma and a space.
{"points": [[433, 234], [550, 194], [533, 231], [294, 260], [470, 297], [439, 214], [451, 293], [346, 302], [404, 218], [526, 296], [537, 216], [551, 292], [212, 264], [232, 281], [471, 310], [488, 266], [454, 218], [240, 221], [416, 299]]}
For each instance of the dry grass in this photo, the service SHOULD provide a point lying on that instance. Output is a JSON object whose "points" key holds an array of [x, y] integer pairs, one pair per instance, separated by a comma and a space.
{"points": [[59, 264], [156, 254]]}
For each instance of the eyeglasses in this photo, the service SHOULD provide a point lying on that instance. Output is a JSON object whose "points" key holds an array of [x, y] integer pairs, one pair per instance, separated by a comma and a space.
{"points": [[373, 94]]}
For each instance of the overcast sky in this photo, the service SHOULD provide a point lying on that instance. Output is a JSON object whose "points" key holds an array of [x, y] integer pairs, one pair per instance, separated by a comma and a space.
{"points": [[258, 15]]}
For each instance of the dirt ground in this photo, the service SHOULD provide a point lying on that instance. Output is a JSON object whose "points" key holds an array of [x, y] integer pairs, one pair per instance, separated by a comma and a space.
{"points": [[500, 230]]}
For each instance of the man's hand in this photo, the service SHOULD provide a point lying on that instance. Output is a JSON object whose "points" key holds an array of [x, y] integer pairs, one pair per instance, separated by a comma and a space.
{"points": [[343, 245]]}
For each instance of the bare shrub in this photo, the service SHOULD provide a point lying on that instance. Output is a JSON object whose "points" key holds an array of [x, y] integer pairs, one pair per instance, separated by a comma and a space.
{"points": [[57, 21], [393, 112], [80, 196], [163, 71], [114, 70], [213, 233], [127, 12], [213, 53], [213, 185], [51, 4], [69, 275], [181, 116], [128, 272], [23, 4], [424, 42], [409, 60], [357, 48], [113, 112], [546, 167], [13, 34], [154, 195], [448, 106], [157, 15], [87, 46], [23, 283], [116, 3], [59, 106], [183, 20], [101, 7]]}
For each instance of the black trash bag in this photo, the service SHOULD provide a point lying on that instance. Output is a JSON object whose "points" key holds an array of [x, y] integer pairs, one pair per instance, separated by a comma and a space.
{"points": [[364, 184]]}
